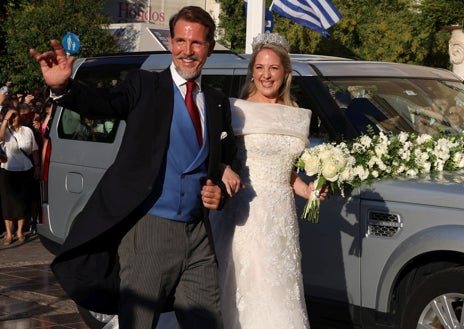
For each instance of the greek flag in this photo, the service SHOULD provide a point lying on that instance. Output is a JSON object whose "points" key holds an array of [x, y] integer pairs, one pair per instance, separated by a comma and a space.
{"points": [[317, 15]]}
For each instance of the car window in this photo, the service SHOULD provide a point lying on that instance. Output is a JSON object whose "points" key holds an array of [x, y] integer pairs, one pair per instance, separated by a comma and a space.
{"points": [[107, 72], [225, 83], [317, 131], [111, 72], [74, 126], [400, 104]]}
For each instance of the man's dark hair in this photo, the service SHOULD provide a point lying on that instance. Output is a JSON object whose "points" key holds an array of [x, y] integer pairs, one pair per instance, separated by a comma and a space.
{"points": [[196, 15]]}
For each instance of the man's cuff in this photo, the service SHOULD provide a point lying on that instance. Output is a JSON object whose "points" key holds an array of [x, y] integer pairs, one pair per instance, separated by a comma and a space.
{"points": [[58, 93], [224, 195]]}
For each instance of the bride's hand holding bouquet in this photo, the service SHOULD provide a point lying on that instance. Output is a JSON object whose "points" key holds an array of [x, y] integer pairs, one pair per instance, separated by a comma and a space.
{"points": [[326, 163]]}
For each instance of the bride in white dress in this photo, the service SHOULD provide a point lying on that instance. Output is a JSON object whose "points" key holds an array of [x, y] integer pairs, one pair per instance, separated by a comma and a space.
{"points": [[256, 235]]}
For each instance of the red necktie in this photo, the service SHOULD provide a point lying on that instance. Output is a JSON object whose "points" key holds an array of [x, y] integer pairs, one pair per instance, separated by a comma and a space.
{"points": [[193, 110]]}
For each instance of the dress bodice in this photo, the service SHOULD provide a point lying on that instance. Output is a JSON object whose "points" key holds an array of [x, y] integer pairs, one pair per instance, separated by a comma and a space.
{"points": [[269, 138], [275, 119]]}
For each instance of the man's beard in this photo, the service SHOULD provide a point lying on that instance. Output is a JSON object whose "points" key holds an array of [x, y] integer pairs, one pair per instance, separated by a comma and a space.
{"points": [[188, 75]]}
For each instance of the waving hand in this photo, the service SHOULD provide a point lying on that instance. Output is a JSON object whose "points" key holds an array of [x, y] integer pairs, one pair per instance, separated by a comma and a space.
{"points": [[56, 66]]}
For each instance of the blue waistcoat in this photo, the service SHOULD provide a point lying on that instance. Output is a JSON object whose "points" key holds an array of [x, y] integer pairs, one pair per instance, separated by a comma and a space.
{"points": [[186, 170]]}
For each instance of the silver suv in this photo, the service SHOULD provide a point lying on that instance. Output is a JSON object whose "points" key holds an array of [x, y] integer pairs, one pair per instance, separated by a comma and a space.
{"points": [[389, 255]]}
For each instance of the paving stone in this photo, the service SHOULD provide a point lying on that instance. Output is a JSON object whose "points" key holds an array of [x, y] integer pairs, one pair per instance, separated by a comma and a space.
{"points": [[30, 297]]}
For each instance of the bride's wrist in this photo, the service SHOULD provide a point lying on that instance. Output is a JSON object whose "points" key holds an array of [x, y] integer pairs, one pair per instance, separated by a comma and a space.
{"points": [[309, 190]]}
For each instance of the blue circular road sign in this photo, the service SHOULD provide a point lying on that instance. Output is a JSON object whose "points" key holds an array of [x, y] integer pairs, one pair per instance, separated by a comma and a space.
{"points": [[71, 43]]}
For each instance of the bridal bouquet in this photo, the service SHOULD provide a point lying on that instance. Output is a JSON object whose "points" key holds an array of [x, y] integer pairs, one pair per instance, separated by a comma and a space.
{"points": [[374, 157]]}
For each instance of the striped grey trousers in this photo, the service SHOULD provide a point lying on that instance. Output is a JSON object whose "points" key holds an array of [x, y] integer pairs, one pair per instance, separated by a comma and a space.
{"points": [[161, 259]]}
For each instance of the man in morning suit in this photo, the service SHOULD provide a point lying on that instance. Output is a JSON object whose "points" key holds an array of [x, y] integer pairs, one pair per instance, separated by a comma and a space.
{"points": [[142, 244]]}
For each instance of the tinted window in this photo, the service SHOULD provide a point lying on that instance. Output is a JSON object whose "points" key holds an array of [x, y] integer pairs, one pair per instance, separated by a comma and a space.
{"points": [[318, 131], [97, 73], [74, 126], [109, 71], [222, 83], [400, 104]]}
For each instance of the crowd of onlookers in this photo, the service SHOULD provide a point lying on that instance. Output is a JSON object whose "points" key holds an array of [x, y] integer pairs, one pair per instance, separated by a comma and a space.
{"points": [[24, 118]]}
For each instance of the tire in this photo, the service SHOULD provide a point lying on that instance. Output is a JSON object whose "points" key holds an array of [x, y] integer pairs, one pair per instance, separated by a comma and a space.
{"points": [[436, 303], [94, 320]]}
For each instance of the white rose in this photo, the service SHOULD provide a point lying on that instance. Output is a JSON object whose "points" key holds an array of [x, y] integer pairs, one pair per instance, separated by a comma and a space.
{"points": [[426, 166], [405, 154], [350, 160], [411, 173], [330, 170], [358, 148], [306, 155], [325, 155], [347, 175], [459, 159], [362, 173], [311, 166], [400, 169], [403, 137], [365, 140], [423, 138]]}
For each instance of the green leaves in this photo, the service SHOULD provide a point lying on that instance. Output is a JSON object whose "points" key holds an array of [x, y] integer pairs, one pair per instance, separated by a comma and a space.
{"points": [[32, 24]]}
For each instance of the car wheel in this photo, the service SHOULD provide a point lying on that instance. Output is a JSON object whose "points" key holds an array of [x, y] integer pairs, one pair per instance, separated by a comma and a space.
{"points": [[437, 302], [94, 320]]}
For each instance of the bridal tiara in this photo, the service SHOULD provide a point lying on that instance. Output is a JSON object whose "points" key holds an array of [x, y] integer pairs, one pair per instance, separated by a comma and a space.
{"points": [[269, 38]]}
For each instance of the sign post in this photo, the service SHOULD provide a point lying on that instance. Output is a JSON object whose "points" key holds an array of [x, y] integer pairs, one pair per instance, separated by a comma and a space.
{"points": [[254, 22]]}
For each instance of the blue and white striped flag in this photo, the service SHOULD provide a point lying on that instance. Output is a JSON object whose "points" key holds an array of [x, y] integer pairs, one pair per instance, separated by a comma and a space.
{"points": [[317, 15]]}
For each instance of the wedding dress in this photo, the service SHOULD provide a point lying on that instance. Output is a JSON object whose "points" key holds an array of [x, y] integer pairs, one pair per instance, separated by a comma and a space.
{"points": [[256, 234]]}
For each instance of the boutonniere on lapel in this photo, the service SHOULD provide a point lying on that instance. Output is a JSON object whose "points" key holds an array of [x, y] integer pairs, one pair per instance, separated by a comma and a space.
{"points": [[223, 135]]}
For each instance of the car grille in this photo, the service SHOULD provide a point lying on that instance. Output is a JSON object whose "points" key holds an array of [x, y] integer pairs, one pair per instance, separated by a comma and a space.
{"points": [[383, 225]]}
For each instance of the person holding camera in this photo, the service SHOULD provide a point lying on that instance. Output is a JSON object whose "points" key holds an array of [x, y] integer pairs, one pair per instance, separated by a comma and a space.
{"points": [[17, 173]]}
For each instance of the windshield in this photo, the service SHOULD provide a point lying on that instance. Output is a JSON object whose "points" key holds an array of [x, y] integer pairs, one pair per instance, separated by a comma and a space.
{"points": [[400, 104]]}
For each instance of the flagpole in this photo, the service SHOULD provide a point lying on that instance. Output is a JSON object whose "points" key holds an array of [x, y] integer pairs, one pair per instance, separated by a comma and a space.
{"points": [[255, 21]]}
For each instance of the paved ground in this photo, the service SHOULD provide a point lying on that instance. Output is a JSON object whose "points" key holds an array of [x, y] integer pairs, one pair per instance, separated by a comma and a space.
{"points": [[30, 297]]}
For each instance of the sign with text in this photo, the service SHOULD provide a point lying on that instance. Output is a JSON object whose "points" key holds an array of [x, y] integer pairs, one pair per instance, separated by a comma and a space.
{"points": [[151, 11]]}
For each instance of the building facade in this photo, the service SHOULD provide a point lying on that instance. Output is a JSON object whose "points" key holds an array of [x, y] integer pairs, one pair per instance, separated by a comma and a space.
{"points": [[143, 25]]}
